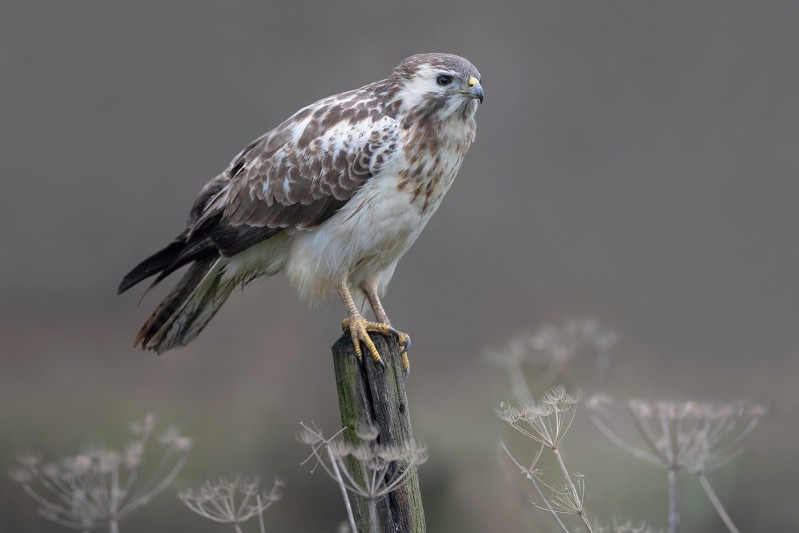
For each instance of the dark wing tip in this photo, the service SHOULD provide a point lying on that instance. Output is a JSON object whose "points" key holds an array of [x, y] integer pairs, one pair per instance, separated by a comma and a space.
{"points": [[166, 260], [126, 284], [140, 272]]}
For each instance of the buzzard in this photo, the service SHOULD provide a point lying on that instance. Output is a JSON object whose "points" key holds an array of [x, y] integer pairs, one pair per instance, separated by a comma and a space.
{"points": [[332, 198]]}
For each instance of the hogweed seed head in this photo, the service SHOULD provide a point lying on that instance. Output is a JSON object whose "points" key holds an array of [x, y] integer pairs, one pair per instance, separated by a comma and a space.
{"points": [[688, 435], [133, 454], [553, 349], [384, 466], [561, 344], [100, 486], [143, 427], [20, 475], [309, 436], [568, 499], [173, 438], [545, 421], [28, 459], [515, 352], [231, 500]]}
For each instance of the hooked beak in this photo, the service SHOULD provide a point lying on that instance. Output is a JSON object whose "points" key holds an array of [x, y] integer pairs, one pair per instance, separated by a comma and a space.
{"points": [[475, 89]]}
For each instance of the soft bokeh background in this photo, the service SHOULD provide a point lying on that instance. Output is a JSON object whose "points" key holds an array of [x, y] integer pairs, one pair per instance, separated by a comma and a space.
{"points": [[635, 162]]}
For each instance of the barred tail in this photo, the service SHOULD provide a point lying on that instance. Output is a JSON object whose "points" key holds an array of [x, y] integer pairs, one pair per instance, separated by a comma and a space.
{"points": [[187, 309], [206, 284]]}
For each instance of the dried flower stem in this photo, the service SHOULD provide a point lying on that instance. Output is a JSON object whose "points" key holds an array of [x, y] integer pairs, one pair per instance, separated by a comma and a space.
{"points": [[674, 507], [316, 440], [577, 500], [530, 475], [260, 515], [711, 494], [340, 481]]}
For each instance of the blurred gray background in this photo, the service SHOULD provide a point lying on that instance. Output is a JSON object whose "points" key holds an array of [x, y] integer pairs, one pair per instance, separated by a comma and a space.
{"points": [[635, 162]]}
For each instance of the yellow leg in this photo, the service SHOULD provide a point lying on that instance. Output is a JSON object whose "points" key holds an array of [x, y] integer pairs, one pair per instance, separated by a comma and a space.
{"points": [[358, 326], [370, 288]]}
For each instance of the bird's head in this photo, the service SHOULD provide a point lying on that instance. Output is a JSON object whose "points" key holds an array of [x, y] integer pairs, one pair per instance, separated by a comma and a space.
{"points": [[438, 85]]}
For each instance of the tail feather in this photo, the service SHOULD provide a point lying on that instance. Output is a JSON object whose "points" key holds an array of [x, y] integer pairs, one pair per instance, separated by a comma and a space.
{"points": [[195, 299], [188, 308], [179, 252], [152, 265], [207, 283]]}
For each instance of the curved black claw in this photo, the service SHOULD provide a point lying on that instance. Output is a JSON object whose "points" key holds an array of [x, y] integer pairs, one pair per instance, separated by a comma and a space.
{"points": [[403, 338], [407, 342], [406, 365]]}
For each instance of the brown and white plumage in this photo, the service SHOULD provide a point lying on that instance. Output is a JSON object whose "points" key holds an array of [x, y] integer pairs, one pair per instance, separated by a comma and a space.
{"points": [[332, 197]]}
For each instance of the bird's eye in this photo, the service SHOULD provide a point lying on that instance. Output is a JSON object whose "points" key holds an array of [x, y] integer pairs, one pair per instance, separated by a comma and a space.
{"points": [[444, 80]]}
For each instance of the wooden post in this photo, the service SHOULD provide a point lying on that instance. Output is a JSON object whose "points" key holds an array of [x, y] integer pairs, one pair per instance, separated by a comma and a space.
{"points": [[370, 395]]}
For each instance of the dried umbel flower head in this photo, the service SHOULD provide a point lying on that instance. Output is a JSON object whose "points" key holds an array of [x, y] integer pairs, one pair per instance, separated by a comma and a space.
{"points": [[553, 349], [179, 442], [143, 427], [28, 459], [308, 435], [99, 487], [20, 475], [231, 500], [562, 343], [688, 435], [133, 454], [569, 498], [545, 421], [368, 469]]}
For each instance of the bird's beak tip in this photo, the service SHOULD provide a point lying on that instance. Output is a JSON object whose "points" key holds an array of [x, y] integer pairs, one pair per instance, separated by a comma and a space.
{"points": [[475, 89], [477, 92]]}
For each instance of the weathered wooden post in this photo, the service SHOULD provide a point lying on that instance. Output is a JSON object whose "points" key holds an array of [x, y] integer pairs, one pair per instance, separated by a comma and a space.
{"points": [[370, 395]]}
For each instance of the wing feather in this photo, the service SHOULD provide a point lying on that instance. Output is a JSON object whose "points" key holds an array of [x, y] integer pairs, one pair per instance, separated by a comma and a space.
{"points": [[299, 174], [295, 176]]}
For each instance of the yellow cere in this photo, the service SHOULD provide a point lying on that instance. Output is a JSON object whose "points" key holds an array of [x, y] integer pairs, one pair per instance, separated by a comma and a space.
{"points": [[473, 81]]}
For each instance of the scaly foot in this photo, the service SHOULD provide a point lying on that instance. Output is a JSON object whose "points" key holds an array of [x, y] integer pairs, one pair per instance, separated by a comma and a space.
{"points": [[359, 329]]}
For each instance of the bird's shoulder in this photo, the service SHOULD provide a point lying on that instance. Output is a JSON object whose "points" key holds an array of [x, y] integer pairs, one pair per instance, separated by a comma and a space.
{"points": [[302, 171]]}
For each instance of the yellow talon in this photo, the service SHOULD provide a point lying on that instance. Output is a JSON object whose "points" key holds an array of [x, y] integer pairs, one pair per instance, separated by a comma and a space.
{"points": [[374, 327], [359, 329]]}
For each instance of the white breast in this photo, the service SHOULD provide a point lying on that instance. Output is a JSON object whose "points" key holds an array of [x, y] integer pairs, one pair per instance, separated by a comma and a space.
{"points": [[375, 227], [367, 236]]}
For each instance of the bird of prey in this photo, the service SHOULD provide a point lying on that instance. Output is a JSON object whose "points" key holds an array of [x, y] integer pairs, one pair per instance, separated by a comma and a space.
{"points": [[332, 198]]}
